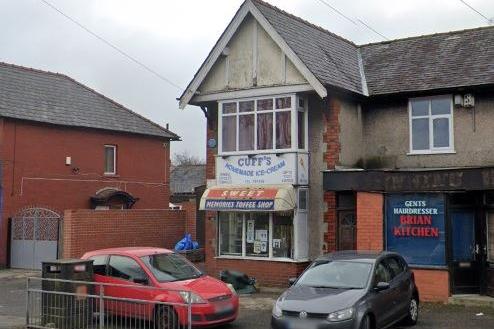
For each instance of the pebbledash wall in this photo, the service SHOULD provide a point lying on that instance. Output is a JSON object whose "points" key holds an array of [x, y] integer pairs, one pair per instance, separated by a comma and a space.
{"points": [[35, 174], [86, 230]]}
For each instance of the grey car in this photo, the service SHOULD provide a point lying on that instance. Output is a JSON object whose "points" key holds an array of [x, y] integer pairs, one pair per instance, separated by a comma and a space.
{"points": [[350, 290]]}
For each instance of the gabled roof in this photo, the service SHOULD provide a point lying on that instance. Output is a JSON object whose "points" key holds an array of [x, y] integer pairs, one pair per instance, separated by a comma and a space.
{"points": [[185, 178], [437, 61], [35, 95], [332, 59], [429, 62]]}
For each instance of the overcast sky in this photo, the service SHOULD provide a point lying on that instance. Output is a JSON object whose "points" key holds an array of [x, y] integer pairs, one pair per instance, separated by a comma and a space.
{"points": [[174, 37]]}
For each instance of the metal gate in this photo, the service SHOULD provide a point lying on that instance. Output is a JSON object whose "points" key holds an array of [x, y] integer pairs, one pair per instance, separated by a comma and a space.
{"points": [[34, 238]]}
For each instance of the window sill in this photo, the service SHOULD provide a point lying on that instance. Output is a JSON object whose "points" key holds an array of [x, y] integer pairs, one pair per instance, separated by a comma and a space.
{"points": [[259, 152], [266, 259], [111, 175], [431, 152]]}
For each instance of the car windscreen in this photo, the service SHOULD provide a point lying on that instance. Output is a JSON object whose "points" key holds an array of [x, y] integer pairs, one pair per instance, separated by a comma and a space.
{"points": [[336, 274], [170, 267]]}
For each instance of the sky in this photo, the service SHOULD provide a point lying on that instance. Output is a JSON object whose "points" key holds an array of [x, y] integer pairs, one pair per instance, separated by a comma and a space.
{"points": [[173, 37]]}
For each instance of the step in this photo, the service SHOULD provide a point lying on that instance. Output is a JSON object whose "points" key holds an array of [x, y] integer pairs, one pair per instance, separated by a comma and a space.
{"points": [[472, 300]]}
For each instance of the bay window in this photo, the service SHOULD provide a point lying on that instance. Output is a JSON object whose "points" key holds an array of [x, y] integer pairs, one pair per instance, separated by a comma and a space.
{"points": [[260, 235], [263, 124], [431, 125]]}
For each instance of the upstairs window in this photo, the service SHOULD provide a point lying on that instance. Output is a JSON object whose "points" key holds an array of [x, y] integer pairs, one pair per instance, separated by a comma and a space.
{"points": [[431, 125], [262, 124], [110, 159]]}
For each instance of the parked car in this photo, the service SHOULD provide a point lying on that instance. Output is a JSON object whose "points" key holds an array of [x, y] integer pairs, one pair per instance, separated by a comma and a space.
{"points": [[160, 275], [354, 290]]}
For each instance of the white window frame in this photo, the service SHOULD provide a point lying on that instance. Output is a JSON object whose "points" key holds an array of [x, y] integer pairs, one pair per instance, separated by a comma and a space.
{"points": [[294, 109], [244, 247], [114, 147], [431, 117]]}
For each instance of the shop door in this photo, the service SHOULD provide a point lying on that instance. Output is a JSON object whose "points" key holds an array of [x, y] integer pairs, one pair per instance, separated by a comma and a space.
{"points": [[466, 260], [489, 269]]}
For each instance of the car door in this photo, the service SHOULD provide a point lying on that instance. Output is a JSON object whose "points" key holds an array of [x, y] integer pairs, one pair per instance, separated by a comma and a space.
{"points": [[399, 286], [127, 281], [382, 300]]}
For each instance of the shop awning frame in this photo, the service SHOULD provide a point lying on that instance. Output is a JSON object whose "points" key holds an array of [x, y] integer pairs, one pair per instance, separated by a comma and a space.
{"points": [[248, 198]]}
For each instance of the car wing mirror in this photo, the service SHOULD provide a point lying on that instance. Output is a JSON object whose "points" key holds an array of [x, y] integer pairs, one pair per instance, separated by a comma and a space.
{"points": [[380, 286], [143, 281], [292, 281]]}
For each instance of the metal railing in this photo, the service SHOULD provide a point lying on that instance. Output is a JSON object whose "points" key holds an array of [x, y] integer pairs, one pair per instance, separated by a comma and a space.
{"points": [[65, 304]]}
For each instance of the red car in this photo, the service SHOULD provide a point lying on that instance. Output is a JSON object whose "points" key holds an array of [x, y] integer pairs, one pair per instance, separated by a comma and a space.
{"points": [[173, 277]]}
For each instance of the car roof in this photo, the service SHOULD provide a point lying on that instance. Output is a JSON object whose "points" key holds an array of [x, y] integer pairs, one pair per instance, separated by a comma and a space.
{"points": [[129, 251], [367, 256]]}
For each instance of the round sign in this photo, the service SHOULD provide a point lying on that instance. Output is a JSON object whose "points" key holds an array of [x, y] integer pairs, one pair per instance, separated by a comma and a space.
{"points": [[211, 143]]}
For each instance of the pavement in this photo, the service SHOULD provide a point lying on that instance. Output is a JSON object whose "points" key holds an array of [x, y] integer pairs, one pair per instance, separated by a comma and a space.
{"points": [[13, 297], [255, 310]]}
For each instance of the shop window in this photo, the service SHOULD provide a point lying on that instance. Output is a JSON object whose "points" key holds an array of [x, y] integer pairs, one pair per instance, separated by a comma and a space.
{"points": [[431, 125], [415, 227], [230, 236], [264, 235], [262, 124], [257, 235], [347, 221], [282, 236]]}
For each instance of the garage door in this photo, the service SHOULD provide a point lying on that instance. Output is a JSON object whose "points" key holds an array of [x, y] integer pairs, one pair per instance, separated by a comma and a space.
{"points": [[34, 238]]}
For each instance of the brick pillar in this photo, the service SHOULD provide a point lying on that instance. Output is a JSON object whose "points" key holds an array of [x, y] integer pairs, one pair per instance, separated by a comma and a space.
{"points": [[331, 137], [210, 216], [370, 221]]}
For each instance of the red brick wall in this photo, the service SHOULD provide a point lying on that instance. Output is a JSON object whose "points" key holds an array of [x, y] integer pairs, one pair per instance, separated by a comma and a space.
{"points": [[267, 273], [34, 172], [331, 137], [189, 207], [370, 221], [433, 285], [86, 230]]}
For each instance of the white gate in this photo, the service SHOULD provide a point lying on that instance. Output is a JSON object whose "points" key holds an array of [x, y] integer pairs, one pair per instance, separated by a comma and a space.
{"points": [[34, 238]]}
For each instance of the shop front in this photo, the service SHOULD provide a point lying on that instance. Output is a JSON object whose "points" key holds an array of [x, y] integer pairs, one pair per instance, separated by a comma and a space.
{"points": [[441, 221]]}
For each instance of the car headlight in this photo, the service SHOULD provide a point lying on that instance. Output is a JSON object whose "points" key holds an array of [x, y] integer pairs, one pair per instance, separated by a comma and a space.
{"points": [[194, 298], [341, 315], [277, 312], [232, 289]]}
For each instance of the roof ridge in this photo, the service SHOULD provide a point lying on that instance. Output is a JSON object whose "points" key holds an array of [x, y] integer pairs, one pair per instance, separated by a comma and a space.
{"points": [[61, 75], [306, 22], [121, 106], [453, 32]]}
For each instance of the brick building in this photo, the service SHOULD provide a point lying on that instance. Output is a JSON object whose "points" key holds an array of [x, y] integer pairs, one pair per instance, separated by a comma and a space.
{"points": [[65, 146], [316, 144]]}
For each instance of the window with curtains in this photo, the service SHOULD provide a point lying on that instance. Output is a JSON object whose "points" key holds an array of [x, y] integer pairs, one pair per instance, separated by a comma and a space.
{"points": [[431, 125], [263, 124]]}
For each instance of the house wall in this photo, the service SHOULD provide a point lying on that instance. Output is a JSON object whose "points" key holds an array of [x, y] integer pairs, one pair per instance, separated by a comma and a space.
{"points": [[35, 174], [237, 72], [85, 230], [386, 136]]}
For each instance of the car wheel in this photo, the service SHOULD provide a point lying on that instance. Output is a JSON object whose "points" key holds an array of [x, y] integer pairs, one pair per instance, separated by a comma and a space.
{"points": [[413, 312], [366, 323], [166, 318]]}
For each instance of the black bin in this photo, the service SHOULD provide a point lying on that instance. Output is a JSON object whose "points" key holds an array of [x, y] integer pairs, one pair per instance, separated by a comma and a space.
{"points": [[59, 308]]}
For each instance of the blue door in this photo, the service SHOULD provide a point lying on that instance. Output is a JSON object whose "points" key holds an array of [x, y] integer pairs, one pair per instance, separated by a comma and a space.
{"points": [[465, 253]]}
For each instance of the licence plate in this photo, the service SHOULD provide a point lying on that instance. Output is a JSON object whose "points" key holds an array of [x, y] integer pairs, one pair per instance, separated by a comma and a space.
{"points": [[223, 307], [301, 324]]}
